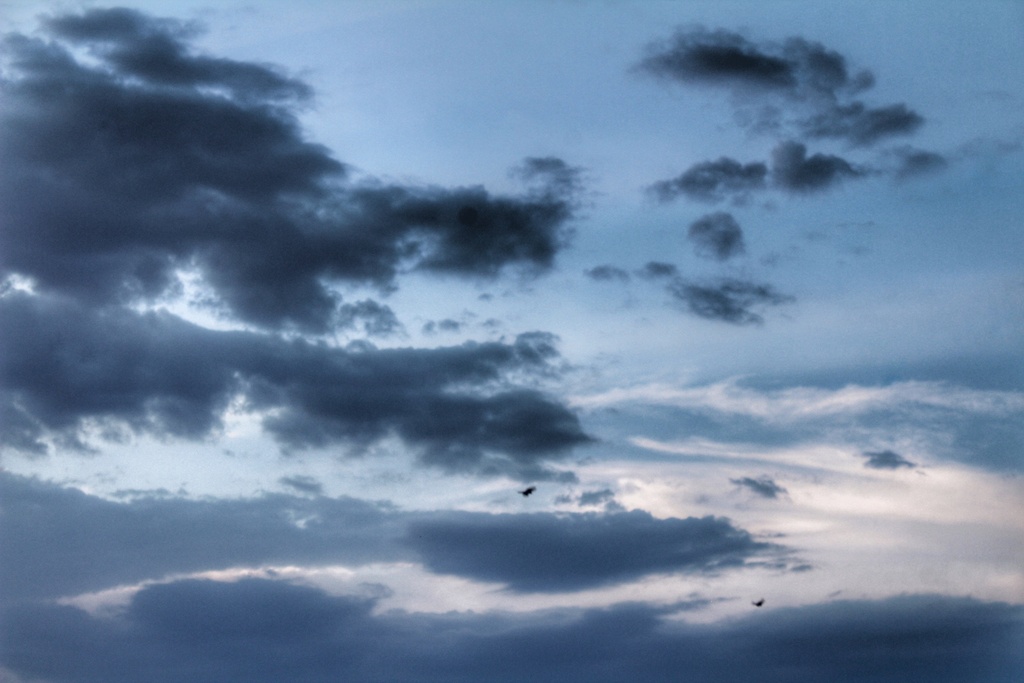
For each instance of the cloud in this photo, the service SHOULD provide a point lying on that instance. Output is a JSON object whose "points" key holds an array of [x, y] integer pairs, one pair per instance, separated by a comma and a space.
{"points": [[607, 273], [762, 486], [716, 236], [160, 160], [791, 171], [596, 497], [151, 537], [260, 631], [728, 300], [794, 171], [862, 125], [915, 162], [658, 269], [553, 553], [886, 460], [65, 367], [303, 484], [375, 319], [446, 325], [719, 58], [713, 181], [104, 543], [805, 77]]}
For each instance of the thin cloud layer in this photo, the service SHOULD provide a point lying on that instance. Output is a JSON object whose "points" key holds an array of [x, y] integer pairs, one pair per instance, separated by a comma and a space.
{"points": [[258, 630], [558, 553], [160, 160], [65, 367]]}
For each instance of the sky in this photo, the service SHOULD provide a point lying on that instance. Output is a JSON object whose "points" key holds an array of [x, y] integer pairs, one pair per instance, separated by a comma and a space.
{"points": [[296, 299]]}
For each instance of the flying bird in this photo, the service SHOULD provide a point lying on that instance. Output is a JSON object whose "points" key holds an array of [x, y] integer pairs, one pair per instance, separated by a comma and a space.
{"points": [[527, 491], [758, 603]]}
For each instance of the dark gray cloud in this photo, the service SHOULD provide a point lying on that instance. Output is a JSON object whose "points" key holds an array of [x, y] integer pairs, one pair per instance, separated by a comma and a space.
{"points": [[862, 125], [717, 236], [724, 59], [762, 486], [729, 300], [303, 484], [607, 273], [160, 159], [805, 77], [552, 553], [714, 181], [886, 460], [260, 631], [794, 171], [64, 366], [371, 317]]}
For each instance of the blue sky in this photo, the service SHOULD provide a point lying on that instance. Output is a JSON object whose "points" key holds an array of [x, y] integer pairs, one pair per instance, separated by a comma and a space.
{"points": [[296, 299]]}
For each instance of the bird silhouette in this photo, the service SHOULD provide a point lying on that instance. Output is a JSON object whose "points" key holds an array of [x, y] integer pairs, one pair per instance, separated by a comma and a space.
{"points": [[527, 491], [758, 603]]}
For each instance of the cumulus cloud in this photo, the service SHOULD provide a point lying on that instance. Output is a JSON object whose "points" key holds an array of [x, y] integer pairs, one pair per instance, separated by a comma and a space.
{"points": [[554, 553], [886, 460], [763, 486], [258, 631], [727, 299], [160, 159], [716, 236], [806, 78], [713, 181], [65, 366]]}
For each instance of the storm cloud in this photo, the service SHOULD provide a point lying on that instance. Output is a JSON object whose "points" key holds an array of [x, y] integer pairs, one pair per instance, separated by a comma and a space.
{"points": [[65, 366], [261, 631], [546, 552], [159, 160], [716, 236]]}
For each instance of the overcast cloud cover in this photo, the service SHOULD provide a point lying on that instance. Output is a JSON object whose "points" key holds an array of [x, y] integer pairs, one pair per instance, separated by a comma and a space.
{"points": [[296, 301]]}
